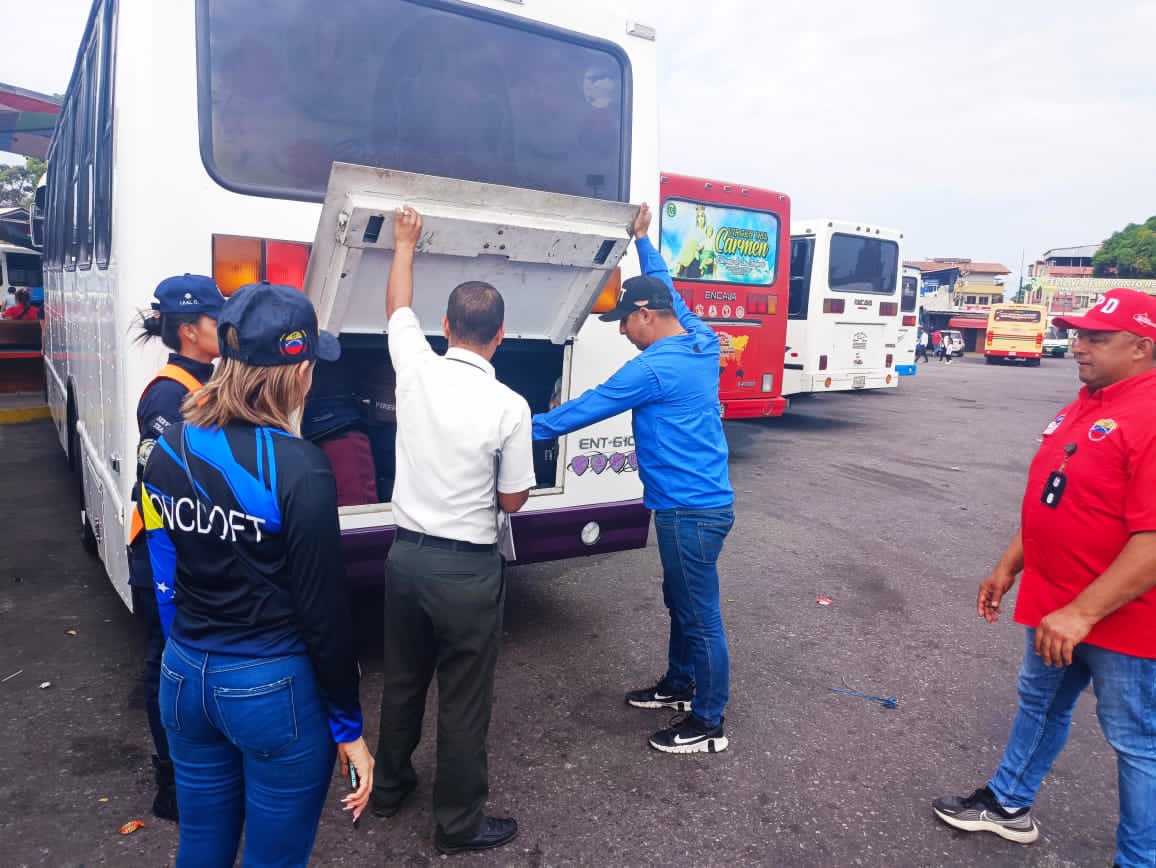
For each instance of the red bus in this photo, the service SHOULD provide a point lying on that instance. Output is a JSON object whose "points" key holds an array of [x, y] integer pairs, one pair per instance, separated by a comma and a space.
{"points": [[727, 249]]}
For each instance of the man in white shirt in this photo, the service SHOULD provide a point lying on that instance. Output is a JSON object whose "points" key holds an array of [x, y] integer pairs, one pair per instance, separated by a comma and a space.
{"points": [[463, 451]]}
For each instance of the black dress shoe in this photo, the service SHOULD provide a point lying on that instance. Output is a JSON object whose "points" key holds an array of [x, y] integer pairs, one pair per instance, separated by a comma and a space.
{"points": [[382, 808], [495, 832]]}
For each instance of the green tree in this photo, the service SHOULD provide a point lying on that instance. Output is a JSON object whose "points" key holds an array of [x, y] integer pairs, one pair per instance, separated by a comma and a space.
{"points": [[18, 183], [1131, 252]]}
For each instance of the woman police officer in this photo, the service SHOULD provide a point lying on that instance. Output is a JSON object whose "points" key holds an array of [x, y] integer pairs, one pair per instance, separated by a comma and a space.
{"points": [[184, 317]]}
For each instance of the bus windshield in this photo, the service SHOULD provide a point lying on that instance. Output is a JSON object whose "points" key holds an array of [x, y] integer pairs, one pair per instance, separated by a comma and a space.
{"points": [[719, 244], [860, 264], [286, 89]]}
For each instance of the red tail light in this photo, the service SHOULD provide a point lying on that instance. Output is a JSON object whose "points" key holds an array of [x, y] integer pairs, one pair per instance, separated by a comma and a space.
{"points": [[1039, 339], [764, 304], [889, 308], [989, 338], [822, 363], [909, 320], [285, 263], [890, 359], [833, 305], [238, 260]]}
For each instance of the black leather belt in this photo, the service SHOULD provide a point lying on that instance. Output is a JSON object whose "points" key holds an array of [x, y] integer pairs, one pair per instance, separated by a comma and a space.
{"points": [[440, 542]]}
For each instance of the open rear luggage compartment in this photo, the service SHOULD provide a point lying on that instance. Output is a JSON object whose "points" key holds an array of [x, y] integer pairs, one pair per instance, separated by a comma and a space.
{"points": [[550, 255]]}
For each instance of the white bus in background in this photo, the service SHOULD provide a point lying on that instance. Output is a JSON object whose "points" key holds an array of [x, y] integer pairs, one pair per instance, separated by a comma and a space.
{"points": [[843, 314], [521, 131], [910, 319]]}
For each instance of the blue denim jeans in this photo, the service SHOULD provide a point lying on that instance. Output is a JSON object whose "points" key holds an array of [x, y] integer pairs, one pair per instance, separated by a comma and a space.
{"points": [[251, 748], [689, 543], [1125, 689]]}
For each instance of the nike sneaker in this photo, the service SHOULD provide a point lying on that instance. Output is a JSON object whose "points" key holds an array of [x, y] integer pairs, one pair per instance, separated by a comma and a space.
{"points": [[980, 812], [661, 695], [689, 735]]}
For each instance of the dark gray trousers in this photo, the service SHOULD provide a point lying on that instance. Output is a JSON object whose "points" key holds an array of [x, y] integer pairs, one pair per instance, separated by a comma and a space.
{"points": [[443, 614]]}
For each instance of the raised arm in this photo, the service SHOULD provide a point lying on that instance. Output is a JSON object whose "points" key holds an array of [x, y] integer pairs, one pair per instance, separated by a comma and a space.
{"points": [[652, 264], [406, 232]]}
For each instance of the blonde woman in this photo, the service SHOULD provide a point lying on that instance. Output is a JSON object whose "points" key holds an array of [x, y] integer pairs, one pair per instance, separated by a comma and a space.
{"points": [[259, 679]]}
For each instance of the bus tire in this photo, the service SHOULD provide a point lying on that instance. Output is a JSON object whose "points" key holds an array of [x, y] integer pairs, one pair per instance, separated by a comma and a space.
{"points": [[1034, 363], [88, 540], [989, 360]]}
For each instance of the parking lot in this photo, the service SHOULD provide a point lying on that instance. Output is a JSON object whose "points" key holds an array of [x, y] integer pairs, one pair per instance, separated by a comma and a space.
{"points": [[891, 504]]}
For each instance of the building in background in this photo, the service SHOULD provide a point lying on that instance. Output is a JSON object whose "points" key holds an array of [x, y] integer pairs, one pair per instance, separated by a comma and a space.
{"points": [[957, 294]]}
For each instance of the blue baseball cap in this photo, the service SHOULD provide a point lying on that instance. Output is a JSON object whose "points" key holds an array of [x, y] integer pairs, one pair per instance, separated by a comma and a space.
{"points": [[188, 293], [275, 325]]}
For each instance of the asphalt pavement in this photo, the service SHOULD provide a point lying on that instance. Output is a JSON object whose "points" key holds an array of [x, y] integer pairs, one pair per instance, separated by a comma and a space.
{"points": [[891, 505]]}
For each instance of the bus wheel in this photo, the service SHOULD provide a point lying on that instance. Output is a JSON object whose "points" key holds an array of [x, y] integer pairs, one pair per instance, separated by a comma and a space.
{"points": [[1035, 363], [989, 360], [87, 536]]}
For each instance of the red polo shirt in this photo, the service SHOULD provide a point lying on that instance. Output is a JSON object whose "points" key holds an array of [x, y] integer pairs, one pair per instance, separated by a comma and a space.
{"points": [[1110, 495]]}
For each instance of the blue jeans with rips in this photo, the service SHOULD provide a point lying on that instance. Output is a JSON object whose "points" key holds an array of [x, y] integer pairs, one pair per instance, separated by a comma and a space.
{"points": [[689, 543], [1125, 689], [251, 749]]}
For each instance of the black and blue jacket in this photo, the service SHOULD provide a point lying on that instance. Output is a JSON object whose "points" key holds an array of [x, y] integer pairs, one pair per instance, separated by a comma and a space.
{"points": [[244, 542]]}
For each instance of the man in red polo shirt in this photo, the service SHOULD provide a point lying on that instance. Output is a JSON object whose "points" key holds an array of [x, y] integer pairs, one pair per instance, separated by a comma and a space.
{"points": [[1087, 550]]}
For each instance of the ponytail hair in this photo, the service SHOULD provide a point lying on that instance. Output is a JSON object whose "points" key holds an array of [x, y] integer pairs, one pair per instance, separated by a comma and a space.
{"points": [[166, 326]]}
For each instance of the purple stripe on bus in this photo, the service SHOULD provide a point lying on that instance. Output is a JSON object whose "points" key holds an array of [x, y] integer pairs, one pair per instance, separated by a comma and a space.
{"points": [[543, 535]]}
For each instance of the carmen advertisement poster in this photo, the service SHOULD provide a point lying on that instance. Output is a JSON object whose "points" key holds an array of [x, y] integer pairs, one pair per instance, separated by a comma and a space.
{"points": [[719, 244]]}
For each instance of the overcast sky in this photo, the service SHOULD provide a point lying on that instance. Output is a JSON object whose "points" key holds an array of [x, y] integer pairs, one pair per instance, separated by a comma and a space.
{"points": [[980, 129]]}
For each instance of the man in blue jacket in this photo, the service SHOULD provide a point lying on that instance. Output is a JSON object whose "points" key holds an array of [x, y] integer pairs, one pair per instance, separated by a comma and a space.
{"points": [[672, 389]]}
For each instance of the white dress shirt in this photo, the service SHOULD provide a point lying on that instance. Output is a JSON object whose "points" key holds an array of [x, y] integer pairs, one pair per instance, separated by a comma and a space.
{"points": [[453, 418]]}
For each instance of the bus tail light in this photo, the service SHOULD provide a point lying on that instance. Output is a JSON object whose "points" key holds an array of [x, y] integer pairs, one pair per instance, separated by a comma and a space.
{"points": [[889, 308], [1039, 339], [888, 380], [833, 305], [990, 336], [238, 261], [611, 290], [285, 263], [909, 321], [827, 382], [768, 382], [822, 363], [890, 359], [764, 304]]}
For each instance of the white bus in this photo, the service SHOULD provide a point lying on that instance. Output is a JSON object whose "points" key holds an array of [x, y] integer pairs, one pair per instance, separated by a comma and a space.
{"points": [[843, 312], [910, 319], [200, 136]]}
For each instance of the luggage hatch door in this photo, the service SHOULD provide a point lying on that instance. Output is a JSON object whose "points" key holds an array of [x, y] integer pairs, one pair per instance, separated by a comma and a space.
{"points": [[549, 254]]}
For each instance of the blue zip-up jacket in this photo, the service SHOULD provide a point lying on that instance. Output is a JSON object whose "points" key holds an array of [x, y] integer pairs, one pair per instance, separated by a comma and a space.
{"points": [[672, 387], [249, 562]]}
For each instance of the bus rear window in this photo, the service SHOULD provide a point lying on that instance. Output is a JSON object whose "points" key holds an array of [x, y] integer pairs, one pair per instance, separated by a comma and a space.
{"points": [[286, 89], [1018, 316], [860, 264], [24, 269], [719, 244]]}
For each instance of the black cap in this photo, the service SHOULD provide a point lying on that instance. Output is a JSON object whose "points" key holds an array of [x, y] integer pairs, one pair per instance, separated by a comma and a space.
{"points": [[188, 293], [275, 325], [639, 292]]}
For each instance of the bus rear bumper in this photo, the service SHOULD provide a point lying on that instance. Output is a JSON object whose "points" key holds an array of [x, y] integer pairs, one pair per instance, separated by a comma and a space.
{"points": [[1012, 354], [756, 408], [540, 535]]}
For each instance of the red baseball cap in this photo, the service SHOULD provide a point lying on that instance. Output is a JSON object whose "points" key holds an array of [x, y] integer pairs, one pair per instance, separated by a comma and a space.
{"points": [[1118, 310]]}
